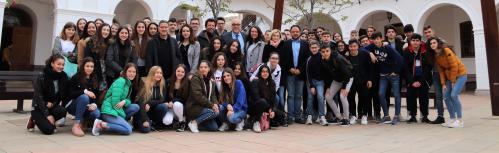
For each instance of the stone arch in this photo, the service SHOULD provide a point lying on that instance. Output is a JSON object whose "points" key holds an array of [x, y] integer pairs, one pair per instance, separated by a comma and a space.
{"points": [[129, 11]]}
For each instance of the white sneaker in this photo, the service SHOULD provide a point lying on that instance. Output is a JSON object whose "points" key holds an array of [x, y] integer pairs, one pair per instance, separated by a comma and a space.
{"points": [[240, 126], [448, 123], [454, 124], [309, 120], [461, 123], [61, 122], [193, 127], [323, 121], [318, 120], [353, 120], [223, 127], [256, 127], [96, 129], [363, 120]]}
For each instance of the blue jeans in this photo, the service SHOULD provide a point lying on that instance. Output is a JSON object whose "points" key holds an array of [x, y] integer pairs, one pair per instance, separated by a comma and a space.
{"points": [[295, 93], [319, 90], [119, 125], [236, 118], [438, 94], [79, 109], [383, 85], [282, 97], [452, 96], [206, 120]]}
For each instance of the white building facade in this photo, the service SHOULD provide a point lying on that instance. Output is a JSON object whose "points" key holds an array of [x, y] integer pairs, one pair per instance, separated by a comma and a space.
{"points": [[448, 19]]}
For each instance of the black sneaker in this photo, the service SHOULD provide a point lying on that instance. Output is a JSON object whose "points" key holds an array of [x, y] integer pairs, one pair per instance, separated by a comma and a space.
{"points": [[181, 126], [300, 121], [439, 120], [412, 120], [334, 121], [344, 122], [425, 120]]}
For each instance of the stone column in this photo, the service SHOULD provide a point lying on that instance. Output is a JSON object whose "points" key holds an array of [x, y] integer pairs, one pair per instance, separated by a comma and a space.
{"points": [[482, 75]]}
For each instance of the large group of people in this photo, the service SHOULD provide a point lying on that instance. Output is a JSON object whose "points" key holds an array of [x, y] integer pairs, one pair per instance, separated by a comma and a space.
{"points": [[171, 75]]}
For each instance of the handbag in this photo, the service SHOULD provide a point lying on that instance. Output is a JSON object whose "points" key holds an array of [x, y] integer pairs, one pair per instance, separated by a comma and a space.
{"points": [[265, 122], [70, 68]]}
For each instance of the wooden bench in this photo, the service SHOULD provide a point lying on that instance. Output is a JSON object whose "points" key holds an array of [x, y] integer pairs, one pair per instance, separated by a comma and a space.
{"points": [[17, 85]]}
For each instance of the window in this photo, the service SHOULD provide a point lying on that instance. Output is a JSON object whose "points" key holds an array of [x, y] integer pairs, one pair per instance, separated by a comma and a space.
{"points": [[467, 40]]}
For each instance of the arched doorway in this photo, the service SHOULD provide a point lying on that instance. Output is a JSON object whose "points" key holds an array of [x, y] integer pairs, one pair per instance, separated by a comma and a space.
{"points": [[179, 13], [322, 20], [379, 19], [17, 35], [130, 11], [453, 24], [248, 18]]}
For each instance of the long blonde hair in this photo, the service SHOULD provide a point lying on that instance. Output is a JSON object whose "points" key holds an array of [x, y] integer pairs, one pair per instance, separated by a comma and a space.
{"points": [[149, 82]]}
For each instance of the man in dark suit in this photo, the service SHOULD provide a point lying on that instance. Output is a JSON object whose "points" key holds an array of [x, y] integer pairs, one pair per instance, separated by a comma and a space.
{"points": [[235, 34], [295, 57]]}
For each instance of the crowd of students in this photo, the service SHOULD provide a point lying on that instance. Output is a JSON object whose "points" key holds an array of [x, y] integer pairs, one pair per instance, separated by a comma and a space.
{"points": [[171, 75]]}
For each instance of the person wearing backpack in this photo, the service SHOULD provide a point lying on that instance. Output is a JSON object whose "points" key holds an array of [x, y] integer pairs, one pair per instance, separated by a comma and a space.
{"points": [[339, 78]]}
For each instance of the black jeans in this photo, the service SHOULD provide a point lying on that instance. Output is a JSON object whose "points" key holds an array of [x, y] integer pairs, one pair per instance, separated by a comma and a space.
{"points": [[43, 123], [413, 94], [374, 100], [363, 107]]}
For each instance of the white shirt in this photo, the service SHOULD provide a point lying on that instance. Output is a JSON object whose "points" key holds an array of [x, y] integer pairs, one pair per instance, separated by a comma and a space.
{"points": [[67, 46], [218, 79]]}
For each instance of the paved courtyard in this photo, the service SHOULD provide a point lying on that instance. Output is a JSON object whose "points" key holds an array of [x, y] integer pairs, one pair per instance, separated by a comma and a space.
{"points": [[481, 134]]}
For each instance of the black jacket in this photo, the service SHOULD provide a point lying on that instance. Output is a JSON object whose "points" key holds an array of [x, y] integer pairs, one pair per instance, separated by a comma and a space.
{"points": [[152, 58], [410, 61], [257, 94], [76, 88], [45, 90], [336, 69], [113, 66], [362, 72], [204, 40], [280, 50], [287, 58], [312, 70], [155, 100]]}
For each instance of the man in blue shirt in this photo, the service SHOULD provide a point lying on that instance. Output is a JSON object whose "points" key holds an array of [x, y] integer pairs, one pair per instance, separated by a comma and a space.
{"points": [[294, 61]]}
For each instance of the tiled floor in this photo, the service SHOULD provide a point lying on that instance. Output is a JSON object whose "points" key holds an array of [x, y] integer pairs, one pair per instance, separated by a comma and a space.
{"points": [[481, 134]]}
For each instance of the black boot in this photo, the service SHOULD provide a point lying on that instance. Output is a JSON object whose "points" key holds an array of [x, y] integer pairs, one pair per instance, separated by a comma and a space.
{"points": [[439, 120], [425, 120], [412, 120]]}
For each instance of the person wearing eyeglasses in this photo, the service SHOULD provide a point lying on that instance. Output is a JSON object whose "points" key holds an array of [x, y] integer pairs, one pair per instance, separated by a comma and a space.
{"points": [[235, 34]]}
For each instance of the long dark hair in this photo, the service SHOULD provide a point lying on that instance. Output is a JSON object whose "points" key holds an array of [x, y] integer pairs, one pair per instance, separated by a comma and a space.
{"points": [[214, 60], [117, 36], [266, 86], [82, 76], [136, 33], [100, 43], [243, 75], [184, 83], [212, 46], [192, 36], [85, 30], [258, 38], [80, 32], [431, 52], [227, 93], [152, 24]]}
